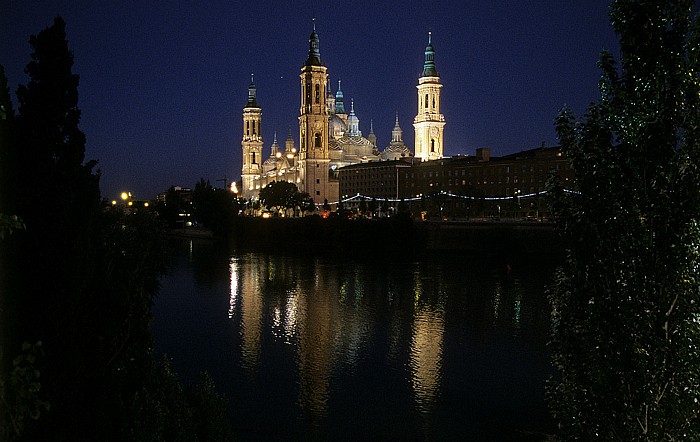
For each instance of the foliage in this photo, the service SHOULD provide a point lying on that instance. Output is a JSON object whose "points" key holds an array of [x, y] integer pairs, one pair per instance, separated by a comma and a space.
{"points": [[214, 208], [21, 397], [164, 409], [626, 305], [77, 277], [283, 195]]}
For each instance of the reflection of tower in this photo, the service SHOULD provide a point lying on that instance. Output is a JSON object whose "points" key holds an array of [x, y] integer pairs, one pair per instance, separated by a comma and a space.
{"points": [[426, 351], [429, 122], [426, 356], [318, 326], [313, 124], [252, 142], [251, 312]]}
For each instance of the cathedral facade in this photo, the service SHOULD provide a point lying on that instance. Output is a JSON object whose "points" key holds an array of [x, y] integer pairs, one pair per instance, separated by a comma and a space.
{"points": [[330, 137]]}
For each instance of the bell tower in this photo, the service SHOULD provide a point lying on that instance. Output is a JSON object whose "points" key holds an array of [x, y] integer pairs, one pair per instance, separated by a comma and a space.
{"points": [[429, 122], [313, 125], [252, 143]]}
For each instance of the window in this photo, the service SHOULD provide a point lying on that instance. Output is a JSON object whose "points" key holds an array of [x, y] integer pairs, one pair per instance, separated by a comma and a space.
{"points": [[317, 140], [426, 101], [253, 158], [432, 145], [433, 102], [318, 95], [318, 181], [318, 192], [253, 127], [247, 127]]}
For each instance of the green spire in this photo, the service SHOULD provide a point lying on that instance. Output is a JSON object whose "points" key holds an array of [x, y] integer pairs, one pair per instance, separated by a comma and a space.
{"points": [[429, 65]]}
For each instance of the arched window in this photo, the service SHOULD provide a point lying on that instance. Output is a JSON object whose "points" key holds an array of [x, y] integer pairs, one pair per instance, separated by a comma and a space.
{"points": [[426, 101], [433, 101], [318, 95], [308, 93], [432, 145], [253, 127], [317, 140], [253, 158], [247, 127]]}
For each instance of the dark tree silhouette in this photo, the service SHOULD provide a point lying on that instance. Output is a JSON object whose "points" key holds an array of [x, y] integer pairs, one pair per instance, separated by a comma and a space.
{"points": [[626, 304], [78, 281]]}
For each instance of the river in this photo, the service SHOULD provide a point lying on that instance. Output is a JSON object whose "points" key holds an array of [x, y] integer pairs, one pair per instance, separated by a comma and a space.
{"points": [[321, 348]]}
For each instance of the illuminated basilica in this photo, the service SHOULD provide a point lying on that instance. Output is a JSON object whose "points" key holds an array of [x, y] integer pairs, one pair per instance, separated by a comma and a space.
{"points": [[330, 137]]}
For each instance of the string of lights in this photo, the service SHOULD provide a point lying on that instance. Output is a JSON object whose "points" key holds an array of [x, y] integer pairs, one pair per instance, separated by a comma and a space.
{"points": [[443, 193]]}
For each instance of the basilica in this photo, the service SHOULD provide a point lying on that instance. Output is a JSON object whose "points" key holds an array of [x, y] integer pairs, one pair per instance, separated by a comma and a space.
{"points": [[329, 136]]}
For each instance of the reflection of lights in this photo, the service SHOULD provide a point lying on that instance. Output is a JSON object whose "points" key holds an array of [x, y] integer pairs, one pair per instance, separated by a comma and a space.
{"points": [[233, 293], [516, 311], [496, 300]]}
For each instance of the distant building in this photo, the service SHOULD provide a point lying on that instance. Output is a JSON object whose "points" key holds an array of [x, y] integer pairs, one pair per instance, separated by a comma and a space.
{"points": [[375, 180], [462, 186]]}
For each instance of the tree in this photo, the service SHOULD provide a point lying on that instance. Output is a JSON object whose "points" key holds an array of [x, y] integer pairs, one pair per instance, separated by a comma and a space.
{"points": [[626, 304], [279, 195], [214, 208]]}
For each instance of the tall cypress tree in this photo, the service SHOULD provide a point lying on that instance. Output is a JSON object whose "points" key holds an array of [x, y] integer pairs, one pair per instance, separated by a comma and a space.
{"points": [[626, 306], [54, 259]]}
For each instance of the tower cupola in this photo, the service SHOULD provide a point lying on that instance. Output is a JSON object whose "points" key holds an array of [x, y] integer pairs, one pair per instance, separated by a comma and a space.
{"points": [[339, 105], [429, 65], [314, 58], [353, 122], [252, 102], [396, 132]]}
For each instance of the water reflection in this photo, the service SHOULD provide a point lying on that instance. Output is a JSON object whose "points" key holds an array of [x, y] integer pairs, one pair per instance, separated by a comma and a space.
{"points": [[324, 346], [426, 356]]}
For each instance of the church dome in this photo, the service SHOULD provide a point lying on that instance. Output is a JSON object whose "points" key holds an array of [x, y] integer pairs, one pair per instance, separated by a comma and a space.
{"points": [[337, 126]]}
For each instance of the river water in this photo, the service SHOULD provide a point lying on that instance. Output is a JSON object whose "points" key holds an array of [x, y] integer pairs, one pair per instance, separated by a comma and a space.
{"points": [[319, 348]]}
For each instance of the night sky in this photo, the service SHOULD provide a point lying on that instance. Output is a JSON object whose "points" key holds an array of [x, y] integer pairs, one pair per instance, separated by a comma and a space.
{"points": [[163, 84]]}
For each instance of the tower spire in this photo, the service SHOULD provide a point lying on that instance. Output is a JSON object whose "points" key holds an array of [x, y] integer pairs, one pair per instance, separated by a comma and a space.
{"points": [[429, 65], [252, 102], [314, 58], [339, 101]]}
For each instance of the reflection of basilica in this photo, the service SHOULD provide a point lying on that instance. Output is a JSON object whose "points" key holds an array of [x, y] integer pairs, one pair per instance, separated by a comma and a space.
{"points": [[321, 312], [329, 137], [305, 311]]}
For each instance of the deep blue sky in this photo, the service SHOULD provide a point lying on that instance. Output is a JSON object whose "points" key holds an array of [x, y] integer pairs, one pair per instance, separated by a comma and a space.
{"points": [[163, 84]]}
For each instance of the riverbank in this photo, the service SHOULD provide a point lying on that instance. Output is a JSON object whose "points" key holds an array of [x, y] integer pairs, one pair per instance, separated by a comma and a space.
{"points": [[398, 236]]}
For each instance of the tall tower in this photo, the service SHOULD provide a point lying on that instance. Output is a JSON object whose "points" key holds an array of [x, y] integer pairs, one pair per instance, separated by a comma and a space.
{"points": [[313, 125], [252, 143], [429, 122]]}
